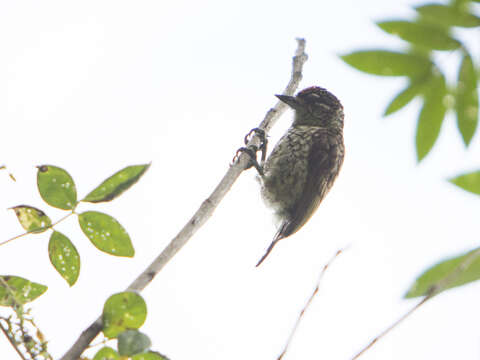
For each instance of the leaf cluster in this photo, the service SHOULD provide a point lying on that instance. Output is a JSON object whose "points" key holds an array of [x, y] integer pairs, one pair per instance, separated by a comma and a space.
{"points": [[57, 188], [123, 314], [432, 31]]}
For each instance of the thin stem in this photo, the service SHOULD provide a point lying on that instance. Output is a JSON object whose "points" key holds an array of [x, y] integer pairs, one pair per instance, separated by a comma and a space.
{"points": [[391, 327], [12, 342], [24, 337], [102, 342], [435, 289], [63, 218], [4, 167], [309, 301], [15, 237], [33, 231]]}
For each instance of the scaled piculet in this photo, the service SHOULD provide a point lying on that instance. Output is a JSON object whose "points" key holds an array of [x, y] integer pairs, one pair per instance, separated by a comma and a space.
{"points": [[305, 162]]}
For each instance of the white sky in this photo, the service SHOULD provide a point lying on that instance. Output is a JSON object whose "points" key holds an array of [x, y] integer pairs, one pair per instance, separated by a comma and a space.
{"points": [[95, 86]]}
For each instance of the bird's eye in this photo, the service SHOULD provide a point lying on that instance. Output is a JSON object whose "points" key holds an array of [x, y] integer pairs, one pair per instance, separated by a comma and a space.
{"points": [[320, 109]]}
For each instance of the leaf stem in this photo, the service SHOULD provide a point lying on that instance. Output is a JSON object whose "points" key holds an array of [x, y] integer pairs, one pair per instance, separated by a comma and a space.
{"points": [[36, 230]]}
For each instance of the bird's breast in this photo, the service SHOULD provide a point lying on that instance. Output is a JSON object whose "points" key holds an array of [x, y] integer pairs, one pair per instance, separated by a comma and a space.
{"points": [[286, 169]]}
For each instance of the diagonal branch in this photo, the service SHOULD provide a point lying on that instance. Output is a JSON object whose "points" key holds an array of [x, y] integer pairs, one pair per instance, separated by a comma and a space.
{"points": [[391, 327], [206, 209], [309, 301], [434, 290]]}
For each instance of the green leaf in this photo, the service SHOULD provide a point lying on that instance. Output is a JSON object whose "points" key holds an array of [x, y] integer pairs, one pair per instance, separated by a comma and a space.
{"points": [[431, 116], [389, 63], [32, 219], [131, 342], [116, 184], [151, 355], [453, 272], [425, 35], [64, 257], [445, 15], [469, 182], [404, 97], [122, 311], [106, 353], [56, 187], [106, 233], [466, 103], [15, 290]]}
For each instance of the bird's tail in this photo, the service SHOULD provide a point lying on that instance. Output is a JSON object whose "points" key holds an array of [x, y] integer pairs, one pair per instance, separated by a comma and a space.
{"points": [[278, 236]]}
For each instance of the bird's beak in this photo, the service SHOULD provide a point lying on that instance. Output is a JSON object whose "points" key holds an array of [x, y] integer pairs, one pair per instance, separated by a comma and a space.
{"points": [[289, 100]]}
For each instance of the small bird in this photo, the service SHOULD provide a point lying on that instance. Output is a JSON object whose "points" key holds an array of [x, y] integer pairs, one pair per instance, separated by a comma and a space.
{"points": [[305, 162]]}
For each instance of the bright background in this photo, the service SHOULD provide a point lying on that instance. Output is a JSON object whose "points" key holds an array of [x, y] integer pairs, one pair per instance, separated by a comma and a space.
{"points": [[95, 86]]}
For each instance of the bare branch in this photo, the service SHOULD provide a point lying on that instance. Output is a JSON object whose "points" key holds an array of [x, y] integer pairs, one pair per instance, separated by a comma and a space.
{"points": [[435, 289], [204, 212], [309, 301], [298, 60], [391, 327]]}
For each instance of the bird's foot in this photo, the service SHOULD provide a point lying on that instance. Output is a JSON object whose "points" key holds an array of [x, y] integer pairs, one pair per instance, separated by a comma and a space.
{"points": [[251, 151], [263, 141]]}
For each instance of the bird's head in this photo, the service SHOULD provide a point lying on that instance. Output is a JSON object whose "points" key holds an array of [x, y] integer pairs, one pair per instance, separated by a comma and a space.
{"points": [[315, 106]]}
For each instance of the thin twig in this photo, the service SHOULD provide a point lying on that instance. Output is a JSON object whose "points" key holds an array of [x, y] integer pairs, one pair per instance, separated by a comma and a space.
{"points": [[435, 289], [102, 342], [36, 230], [4, 167], [17, 305], [203, 213], [12, 342], [309, 301], [15, 237], [42, 344], [25, 336], [391, 327]]}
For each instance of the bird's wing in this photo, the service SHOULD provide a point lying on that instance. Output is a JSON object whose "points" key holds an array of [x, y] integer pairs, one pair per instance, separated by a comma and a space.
{"points": [[321, 162], [323, 168]]}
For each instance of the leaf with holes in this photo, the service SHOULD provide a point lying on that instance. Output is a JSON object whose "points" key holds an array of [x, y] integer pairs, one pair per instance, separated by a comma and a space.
{"points": [[469, 182], [389, 63], [116, 184], [431, 116], [32, 219], [16, 290], [426, 35], [466, 102], [56, 187], [106, 233], [64, 257], [456, 271], [122, 311]]}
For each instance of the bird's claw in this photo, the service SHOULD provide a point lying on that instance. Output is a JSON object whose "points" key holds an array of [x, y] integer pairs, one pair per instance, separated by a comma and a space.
{"points": [[263, 140], [251, 151]]}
